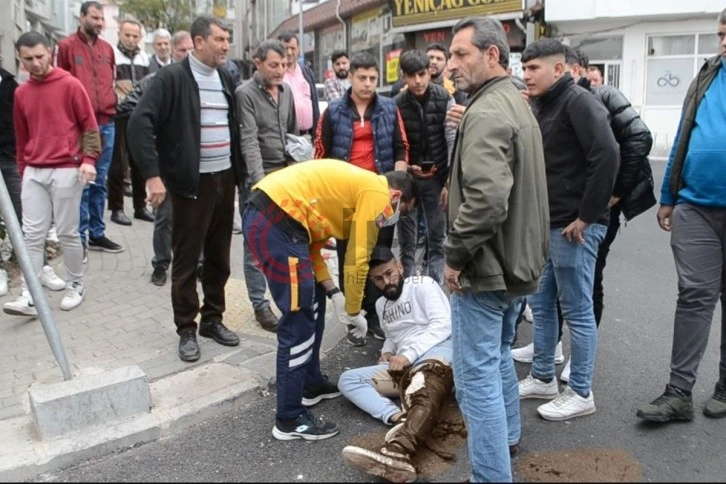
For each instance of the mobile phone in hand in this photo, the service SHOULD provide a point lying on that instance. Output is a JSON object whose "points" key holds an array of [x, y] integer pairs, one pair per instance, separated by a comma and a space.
{"points": [[426, 166]]}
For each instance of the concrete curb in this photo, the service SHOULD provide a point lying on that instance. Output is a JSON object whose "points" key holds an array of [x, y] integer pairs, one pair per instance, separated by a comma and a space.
{"points": [[179, 400]]}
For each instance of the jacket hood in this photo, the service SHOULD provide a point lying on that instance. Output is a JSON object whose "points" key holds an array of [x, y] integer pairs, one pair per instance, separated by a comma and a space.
{"points": [[55, 75]]}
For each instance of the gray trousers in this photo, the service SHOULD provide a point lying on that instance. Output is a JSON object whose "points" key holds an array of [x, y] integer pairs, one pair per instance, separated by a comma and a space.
{"points": [[698, 241], [254, 278], [53, 194]]}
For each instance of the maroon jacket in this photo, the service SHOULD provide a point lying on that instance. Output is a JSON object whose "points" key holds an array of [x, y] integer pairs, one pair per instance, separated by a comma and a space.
{"points": [[93, 65]]}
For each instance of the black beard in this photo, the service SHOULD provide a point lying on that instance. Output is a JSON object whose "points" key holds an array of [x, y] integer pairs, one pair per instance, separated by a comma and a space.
{"points": [[342, 74], [393, 291]]}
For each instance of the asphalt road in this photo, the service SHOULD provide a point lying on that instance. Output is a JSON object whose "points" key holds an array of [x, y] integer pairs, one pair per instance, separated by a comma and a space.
{"points": [[632, 368]]}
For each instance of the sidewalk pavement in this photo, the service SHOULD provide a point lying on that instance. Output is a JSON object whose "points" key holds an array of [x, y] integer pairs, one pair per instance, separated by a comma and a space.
{"points": [[125, 320]]}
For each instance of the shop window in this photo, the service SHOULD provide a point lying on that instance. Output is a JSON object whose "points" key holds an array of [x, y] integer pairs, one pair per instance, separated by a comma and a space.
{"points": [[672, 62], [599, 48]]}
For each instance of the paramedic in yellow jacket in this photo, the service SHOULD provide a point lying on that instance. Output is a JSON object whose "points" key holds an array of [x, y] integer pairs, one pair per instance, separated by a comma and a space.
{"points": [[289, 217]]}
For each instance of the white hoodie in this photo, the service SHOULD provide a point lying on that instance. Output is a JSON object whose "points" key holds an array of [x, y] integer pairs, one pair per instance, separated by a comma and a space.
{"points": [[417, 321]]}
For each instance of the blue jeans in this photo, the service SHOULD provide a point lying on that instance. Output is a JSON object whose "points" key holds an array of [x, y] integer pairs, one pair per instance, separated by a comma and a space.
{"points": [[161, 240], [483, 325], [93, 200], [371, 388], [568, 275], [286, 263]]}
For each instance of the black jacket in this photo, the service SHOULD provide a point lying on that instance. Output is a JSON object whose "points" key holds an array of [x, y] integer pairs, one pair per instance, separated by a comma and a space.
{"points": [[127, 106], [425, 127], [634, 183], [7, 131], [581, 154], [164, 131]]}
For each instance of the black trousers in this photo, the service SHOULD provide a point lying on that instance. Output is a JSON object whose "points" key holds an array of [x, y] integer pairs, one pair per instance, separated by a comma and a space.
{"points": [[370, 291], [206, 225], [120, 163]]}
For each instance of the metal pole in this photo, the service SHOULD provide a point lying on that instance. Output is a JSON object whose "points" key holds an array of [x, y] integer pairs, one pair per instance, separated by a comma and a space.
{"points": [[302, 31], [31, 278]]}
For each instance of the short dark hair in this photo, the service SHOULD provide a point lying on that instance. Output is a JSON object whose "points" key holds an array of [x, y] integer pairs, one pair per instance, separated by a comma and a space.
{"points": [[337, 55], [582, 58], [31, 39], [362, 60], [287, 36], [413, 61], [543, 48], [380, 255], [438, 46], [402, 180], [202, 26], [570, 56], [86, 5], [268, 45], [487, 32]]}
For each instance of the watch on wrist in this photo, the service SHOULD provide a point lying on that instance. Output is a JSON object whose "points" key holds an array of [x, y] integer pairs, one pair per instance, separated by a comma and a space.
{"points": [[332, 292]]}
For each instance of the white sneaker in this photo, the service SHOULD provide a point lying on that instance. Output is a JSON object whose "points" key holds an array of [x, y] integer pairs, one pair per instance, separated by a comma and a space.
{"points": [[565, 375], [525, 354], [3, 282], [566, 406], [49, 279], [22, 306], [527, 315], [73, 297], [531, 387]]}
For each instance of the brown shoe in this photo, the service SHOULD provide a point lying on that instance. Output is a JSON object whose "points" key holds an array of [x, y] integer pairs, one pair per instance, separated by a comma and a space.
{"points": [[267, 319]]}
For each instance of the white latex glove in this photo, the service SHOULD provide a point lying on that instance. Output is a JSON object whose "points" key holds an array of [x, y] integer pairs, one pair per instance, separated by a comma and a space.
{"points": [[338, 301], [360, 324]]}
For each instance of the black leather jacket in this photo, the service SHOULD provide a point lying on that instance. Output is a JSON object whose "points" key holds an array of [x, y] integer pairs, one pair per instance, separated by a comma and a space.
{"points": [[634, 183]]}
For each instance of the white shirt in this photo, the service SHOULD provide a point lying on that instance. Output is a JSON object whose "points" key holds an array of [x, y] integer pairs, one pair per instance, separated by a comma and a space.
{"points": [[417, 321]]}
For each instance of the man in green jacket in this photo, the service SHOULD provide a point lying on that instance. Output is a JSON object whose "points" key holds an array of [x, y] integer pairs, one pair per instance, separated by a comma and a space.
{"points": [[497, 242]]}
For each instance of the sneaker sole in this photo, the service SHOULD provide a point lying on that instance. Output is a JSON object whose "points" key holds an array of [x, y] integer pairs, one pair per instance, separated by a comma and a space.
{"points": [[356, 343], [710, 414], [539, 396], [378, 465], [103, 249], [280, 435], [58, 287], [70, 308], [309, 402], [16, 312], [561, 418], [664, 419]]}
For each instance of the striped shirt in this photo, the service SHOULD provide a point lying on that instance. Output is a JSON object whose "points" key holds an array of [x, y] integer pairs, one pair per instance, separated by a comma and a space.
{"points": [[215, 150]]}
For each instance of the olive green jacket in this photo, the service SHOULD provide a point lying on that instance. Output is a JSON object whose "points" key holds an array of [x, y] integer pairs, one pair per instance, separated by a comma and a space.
{"points": [[498, 210]]}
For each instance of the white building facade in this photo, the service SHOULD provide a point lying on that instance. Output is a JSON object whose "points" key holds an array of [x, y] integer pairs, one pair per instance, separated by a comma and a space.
{"points": [[651, 51]]}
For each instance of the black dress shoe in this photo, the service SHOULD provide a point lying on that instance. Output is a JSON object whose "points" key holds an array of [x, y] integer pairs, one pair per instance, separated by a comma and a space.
{"points": [[144, 214], [267, 319], [119, 217], [188, 347], [219, 333]]}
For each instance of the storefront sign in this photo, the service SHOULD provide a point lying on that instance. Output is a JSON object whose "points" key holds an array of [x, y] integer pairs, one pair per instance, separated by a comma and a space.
{"points": [[516, 37], [392, 59], [365, 30], [410, 12]]}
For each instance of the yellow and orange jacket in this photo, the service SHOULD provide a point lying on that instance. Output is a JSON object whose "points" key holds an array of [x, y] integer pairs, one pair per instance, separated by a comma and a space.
{"points": [[332, 198]]}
